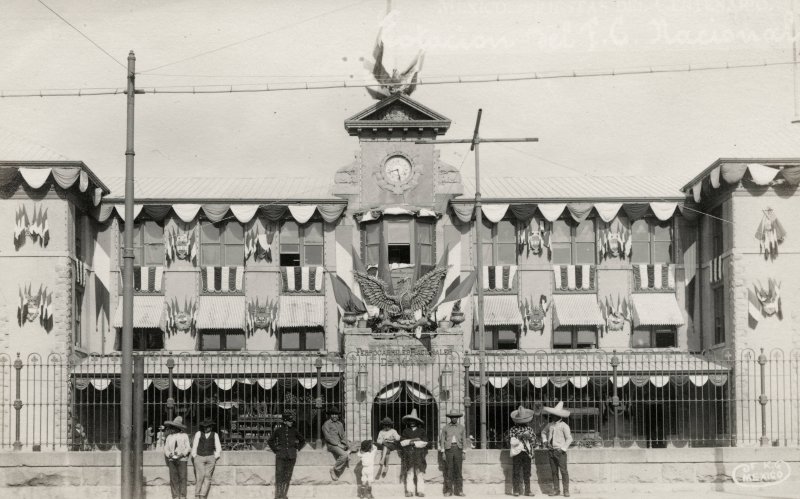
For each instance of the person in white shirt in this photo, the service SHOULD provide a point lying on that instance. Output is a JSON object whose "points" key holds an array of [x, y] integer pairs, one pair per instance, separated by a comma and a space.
{"points": [[366, 455], [176, 453], [557, 438], [387, 441], [206, 449]]}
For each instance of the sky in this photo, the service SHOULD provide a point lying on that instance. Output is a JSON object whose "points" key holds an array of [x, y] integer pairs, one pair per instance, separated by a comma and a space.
{"points": [[655, 124]]}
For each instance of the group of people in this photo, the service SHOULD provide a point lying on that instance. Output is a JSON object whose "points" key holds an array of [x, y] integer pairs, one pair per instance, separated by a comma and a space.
{"points": [[411, 444]]}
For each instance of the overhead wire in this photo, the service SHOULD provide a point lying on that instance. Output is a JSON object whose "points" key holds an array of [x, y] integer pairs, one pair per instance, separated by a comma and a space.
{"points": [[82, 34], [322, 85]]}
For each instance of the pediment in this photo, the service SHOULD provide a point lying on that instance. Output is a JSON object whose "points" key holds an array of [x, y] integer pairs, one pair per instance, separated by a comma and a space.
{"points": [[397, 112]]}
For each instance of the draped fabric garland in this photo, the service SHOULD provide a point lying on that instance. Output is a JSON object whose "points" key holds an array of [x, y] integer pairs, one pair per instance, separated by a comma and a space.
{"points": [[244, 213], [733, 173], [64, 176]]}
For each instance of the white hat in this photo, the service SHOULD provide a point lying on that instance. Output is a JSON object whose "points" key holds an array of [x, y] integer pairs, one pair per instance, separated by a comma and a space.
{"points": [[558, 410]]}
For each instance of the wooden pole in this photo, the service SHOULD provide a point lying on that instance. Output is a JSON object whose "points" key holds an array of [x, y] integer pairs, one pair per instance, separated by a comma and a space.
{"points": [[475, 142], [126, 380]]}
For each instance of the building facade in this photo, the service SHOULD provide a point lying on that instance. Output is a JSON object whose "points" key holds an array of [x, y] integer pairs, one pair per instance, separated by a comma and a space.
{"points": [[642, 303]]}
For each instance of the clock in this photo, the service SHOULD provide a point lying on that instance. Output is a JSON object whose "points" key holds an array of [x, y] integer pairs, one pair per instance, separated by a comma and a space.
{"points": [[397, 169]]}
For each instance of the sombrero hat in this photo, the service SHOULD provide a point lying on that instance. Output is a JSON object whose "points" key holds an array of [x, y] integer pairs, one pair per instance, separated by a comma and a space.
{"points": [[522, 415], [176, 423], [413, 416], [557, 411], [452, 413]]}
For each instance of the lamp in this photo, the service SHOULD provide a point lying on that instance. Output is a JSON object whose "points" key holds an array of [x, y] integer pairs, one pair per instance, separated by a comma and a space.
{"points": [[445, 382], [361, 382]]}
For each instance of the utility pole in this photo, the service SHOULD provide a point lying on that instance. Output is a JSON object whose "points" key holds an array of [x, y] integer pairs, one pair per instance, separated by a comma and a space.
{"points": [[475, 142], [126, 378]]}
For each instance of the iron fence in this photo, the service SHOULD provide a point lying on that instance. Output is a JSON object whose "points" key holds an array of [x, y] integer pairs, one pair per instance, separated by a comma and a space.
{"points": [[633, 398]]}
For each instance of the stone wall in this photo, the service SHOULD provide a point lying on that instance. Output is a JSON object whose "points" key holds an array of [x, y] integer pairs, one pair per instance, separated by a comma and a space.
{"points": [[251, 474]]}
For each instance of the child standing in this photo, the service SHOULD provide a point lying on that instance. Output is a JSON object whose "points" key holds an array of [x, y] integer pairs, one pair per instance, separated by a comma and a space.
{"points": [[366, 457], [387, 441]]}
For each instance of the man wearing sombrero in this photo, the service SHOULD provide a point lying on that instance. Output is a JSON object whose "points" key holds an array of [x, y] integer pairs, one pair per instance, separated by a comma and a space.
{"points": [[414, 449], [176, 453], [452, 442], [557, 437], [522, 441]]}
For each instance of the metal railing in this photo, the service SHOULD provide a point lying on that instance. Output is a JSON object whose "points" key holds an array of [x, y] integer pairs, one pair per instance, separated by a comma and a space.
{"points": [[633, 398]]}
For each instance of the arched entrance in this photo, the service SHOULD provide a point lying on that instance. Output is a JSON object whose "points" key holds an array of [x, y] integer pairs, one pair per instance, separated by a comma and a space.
{"points": [[397, 399]]}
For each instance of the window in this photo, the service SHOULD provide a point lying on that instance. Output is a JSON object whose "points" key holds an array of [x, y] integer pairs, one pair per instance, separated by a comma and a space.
{"points": [[407, 241], [651, 241], [148, 244], [301, 245], [719, 314], [143, 339], [654, 337], [302, 339], [573, 243], [221, 244], [221, 339], [498, 338], [78, 235], [78, 339], [717, 239], [575, 337], [498, 243]]}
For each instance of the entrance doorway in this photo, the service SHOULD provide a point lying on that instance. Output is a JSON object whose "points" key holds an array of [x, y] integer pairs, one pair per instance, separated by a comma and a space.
{"points": [[398, 399]]}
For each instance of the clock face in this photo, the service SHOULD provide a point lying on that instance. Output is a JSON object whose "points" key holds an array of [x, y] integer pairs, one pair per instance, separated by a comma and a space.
{"points": [[397, 169]]}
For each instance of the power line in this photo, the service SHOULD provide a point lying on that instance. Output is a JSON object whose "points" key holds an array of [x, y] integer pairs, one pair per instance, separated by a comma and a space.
{"points": [[323, 85], [261, 35], [82, 34]]}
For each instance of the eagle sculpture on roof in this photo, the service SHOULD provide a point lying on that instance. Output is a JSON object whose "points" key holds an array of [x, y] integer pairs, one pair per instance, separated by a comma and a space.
{"points": [[396, 81], [408, 308]]}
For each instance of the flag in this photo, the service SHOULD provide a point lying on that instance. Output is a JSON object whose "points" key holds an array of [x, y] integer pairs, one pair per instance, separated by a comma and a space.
{"points": [[21, 219], [345, 297], [460, 288], [45, 230], [753, 306], [169, 247], [249, 242]]}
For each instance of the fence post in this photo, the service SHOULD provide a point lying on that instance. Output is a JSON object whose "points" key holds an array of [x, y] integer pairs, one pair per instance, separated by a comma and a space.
{"points": [[467, 400], [170, 399], [318, 403], [615, 398], [18, 402], [763, 399]]}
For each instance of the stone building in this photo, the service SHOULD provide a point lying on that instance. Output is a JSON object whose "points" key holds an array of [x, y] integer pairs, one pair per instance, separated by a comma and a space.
{"points": [[599, 291]]}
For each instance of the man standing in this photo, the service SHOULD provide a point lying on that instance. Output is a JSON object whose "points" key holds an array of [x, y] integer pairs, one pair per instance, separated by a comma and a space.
{"points": [[414, 449], [336, 441], [452, 442], [522, 441], [176, 453], [557, 437], [285, 442], [206, 449]]}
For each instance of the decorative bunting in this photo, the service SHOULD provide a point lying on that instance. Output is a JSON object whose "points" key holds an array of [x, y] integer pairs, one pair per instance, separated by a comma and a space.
{"points": [[574, 277], [716, 272], [263, 317], [81, 273], [769, 234], [33, 306], [499, 277], [181, 319], [615, 314], [770, 298], [181, 245], [654, 277], [37, 227], [302, 279], [532, 236], [222, 279], [615, 241], [259, 245], [147, 279]]}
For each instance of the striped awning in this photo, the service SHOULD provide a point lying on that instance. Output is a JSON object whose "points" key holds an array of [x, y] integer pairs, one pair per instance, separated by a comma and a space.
{"points": [[576, 310], [500, 310], [656, 309], [221, 312], [301, 311], [147, 311]]}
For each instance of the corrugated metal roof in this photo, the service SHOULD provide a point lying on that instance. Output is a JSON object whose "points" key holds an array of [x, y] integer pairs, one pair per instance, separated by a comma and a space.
{"points": [[301, 311], [221, 312], [656, 309], [14, 147], [226, 188], [500, 310], [148, 311], [574, 188], [580, 309]]}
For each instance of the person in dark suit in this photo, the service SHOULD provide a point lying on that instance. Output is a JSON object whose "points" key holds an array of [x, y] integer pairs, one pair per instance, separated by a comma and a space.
{"points": [[285, 442]]}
